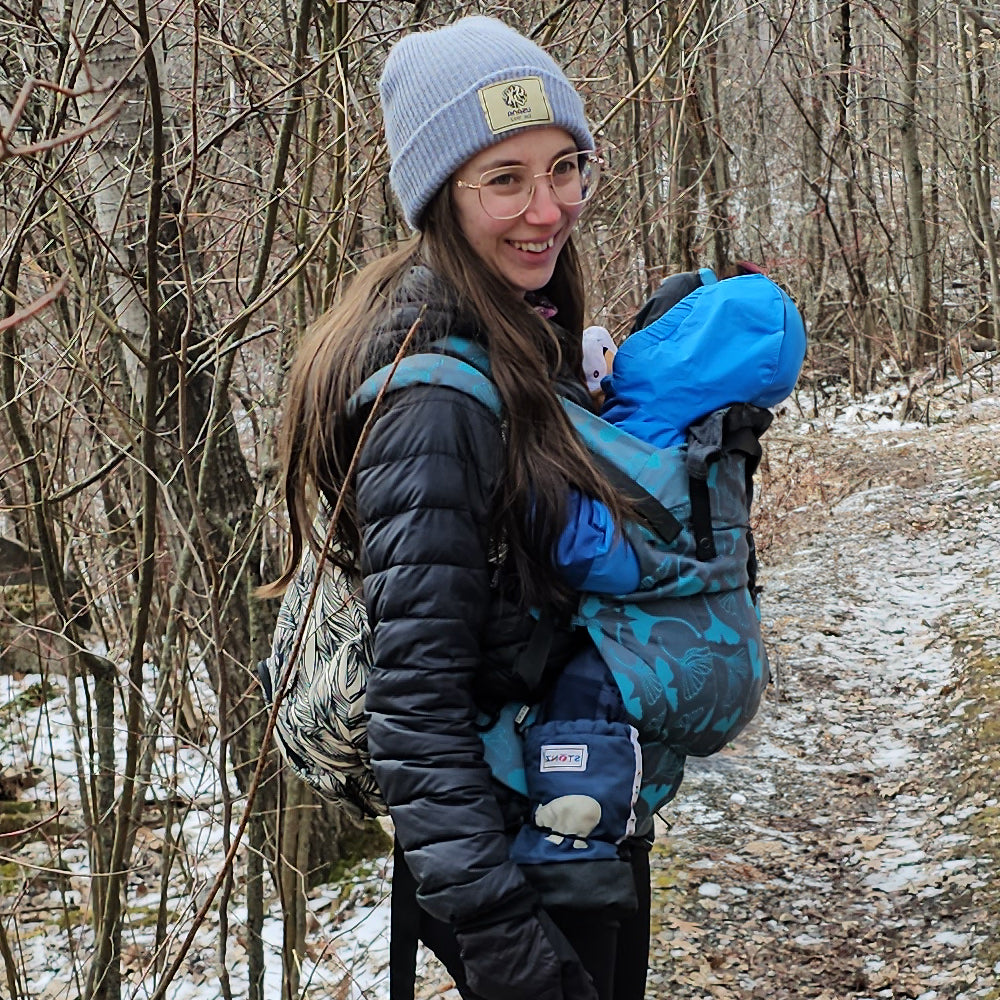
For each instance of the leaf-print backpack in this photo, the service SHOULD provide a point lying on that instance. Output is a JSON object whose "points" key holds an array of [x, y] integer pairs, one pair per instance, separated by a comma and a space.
{"points": [[320, 726]]}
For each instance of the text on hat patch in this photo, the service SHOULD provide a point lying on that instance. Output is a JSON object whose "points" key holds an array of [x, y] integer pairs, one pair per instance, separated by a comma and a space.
{"points": [[513, 104]]}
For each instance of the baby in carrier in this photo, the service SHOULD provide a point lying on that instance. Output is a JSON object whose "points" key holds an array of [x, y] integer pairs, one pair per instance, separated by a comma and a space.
{"points": [[698, 345]]}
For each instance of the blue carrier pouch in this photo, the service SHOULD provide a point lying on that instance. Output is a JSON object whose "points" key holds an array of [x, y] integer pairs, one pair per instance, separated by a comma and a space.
{"points": [[685, 650]]}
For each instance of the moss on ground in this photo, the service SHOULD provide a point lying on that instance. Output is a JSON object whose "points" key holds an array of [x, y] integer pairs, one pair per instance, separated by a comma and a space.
{"points": [[977, 700], [31, 697]]}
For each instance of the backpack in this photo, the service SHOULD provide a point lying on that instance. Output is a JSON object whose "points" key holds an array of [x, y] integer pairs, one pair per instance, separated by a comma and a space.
{"points": [[685, 650], [320, 727]]}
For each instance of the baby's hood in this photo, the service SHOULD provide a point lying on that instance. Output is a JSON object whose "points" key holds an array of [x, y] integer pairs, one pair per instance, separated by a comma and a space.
{"points": [[740, 340]]}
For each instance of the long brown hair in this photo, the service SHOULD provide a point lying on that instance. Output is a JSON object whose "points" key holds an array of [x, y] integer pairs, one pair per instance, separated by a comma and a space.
{"points": [[527, 353]]}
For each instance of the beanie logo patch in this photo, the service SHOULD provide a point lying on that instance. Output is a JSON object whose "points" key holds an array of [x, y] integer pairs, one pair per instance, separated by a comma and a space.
{"points": [[515, 103], [515, 97]]}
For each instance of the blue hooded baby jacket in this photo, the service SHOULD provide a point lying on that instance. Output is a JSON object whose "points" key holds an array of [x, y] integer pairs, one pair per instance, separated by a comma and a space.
{"points": [[735, 341]]}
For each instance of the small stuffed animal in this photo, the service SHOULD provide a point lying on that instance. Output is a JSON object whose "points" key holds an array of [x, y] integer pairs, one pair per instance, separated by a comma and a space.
{"points": [[598, 354]]}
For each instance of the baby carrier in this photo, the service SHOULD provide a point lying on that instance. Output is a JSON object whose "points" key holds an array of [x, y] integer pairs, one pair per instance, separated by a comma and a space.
{"points": [[685, 650]]}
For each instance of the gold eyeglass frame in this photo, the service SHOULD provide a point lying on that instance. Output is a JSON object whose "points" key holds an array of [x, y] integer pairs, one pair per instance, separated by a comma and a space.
{"points": [[592, 157]]}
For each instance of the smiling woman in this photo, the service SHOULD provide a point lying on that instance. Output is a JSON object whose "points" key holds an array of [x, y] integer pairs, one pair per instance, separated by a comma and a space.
{"points": [[452, 514]]}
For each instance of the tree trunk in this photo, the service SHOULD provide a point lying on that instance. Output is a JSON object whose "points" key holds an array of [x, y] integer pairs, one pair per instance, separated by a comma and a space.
{"points": [[754, 171], [710, 130], [639, 153], [976, 170], [919, 324], [844, 146]]}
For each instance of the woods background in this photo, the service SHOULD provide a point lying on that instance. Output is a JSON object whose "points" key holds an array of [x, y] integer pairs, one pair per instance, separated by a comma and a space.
{"points": [[186, 185]]}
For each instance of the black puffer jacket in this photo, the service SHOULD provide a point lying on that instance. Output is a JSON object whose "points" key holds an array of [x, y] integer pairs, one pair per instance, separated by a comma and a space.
{"points": [[427, 481]]}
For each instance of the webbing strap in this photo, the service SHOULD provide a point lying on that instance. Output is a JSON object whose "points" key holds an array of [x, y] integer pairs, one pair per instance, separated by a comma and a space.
{"points": [[701, 518], [744, 425], [656, 516], [532, 660], [737, 429], [404, 929]]}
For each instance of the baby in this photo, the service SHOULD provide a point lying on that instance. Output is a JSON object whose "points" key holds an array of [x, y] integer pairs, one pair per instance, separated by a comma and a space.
{"points": [[703, 344]]}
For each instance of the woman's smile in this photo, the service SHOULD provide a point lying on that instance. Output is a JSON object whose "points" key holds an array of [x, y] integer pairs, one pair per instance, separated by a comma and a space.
{"points": [[523, 250], [534, 247]]}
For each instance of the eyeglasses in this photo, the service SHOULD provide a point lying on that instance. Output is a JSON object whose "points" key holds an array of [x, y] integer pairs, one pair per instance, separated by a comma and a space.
{"points": [[506, 192]]}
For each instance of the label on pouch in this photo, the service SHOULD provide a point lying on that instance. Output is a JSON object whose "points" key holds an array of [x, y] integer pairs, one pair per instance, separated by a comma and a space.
{"points": [[564, 757], [515, 103]]}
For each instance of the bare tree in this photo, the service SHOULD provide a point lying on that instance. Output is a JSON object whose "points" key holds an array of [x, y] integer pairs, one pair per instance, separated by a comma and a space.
{"points": [[187, 186], [919, 322]]}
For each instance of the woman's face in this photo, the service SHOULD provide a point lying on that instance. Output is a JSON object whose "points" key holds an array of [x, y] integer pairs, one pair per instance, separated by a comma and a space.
{"points": [[522, 251]]}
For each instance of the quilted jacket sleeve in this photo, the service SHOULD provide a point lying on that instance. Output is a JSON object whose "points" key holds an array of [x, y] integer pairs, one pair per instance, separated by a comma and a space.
{"points": [[426, 478]]}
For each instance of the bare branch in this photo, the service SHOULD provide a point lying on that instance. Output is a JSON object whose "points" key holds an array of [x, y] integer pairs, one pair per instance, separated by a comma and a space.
{"points": [[35, 307], [89, 87]]}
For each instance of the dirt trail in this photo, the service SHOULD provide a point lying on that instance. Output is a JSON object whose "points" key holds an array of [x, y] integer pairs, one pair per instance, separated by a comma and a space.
{"points": [[846, 846]]}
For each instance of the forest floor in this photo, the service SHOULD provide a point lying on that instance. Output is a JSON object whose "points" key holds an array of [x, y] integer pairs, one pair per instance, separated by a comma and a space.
{"points": [[846, 845]]}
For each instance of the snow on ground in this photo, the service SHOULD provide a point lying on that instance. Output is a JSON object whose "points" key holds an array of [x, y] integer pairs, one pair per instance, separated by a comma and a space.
{"points": [[826, 854], [833, 851]]}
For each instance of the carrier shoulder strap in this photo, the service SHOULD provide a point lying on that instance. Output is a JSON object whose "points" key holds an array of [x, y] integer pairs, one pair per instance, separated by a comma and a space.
{"points": [[604, 439], [428, 369], [738, 428], [469, 374], [466, 368], [649, 508]]}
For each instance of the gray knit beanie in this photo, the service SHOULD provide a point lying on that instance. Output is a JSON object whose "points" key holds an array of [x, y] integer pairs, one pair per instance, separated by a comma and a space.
{"points": [[449, 93]]}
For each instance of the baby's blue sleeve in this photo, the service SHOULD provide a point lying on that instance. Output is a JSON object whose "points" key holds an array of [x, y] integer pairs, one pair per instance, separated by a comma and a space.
{"points": [[589, 552]]}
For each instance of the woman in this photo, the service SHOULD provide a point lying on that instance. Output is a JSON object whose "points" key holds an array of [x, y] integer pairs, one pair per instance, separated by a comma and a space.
{"points": [[452, 514]]}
